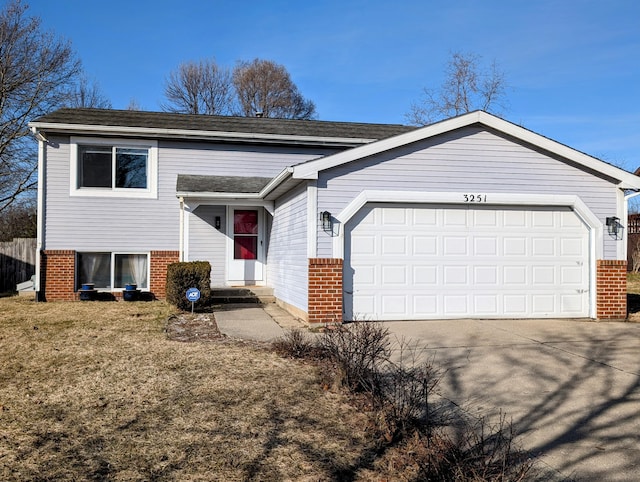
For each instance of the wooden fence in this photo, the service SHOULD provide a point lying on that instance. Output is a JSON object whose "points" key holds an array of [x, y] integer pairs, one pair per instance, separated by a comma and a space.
{"points": [[17, 262]]}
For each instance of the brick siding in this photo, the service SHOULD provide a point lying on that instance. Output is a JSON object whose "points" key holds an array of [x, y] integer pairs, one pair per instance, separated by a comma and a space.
{"points": [[158, 275], [57, 273], [611, 289], [325, 290]]}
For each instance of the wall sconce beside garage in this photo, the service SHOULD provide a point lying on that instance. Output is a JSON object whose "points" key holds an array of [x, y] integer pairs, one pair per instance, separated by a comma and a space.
{"points": [[614, 228], [327, 222]]}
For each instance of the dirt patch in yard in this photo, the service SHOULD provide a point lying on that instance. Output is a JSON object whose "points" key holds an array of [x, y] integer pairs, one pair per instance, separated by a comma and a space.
{"points": [[191, 327]]}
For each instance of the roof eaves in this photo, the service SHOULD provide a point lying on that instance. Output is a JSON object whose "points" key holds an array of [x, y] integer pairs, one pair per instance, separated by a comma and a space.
{"points": [[154, 132]]}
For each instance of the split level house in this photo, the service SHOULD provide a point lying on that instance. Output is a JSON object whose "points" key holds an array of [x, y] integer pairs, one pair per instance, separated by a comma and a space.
{"points": [[471, 217]]}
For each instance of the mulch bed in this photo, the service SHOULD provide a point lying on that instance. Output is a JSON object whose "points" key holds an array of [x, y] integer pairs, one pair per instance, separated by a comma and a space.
{"points": [[189, 327]]}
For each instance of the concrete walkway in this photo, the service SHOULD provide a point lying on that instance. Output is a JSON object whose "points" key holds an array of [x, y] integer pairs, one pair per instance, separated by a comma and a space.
{"points": [[255, 322]]}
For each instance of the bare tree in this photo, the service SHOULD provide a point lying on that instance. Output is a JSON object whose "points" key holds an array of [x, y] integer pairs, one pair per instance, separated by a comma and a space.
{"points": [[134, 104], [36, 70], [265, 88], [18, 221], [467, 87], [199, 88], [88, 94]]}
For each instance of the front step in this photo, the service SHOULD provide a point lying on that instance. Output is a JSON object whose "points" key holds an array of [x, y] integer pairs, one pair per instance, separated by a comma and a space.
{"points": [[242, 295]]}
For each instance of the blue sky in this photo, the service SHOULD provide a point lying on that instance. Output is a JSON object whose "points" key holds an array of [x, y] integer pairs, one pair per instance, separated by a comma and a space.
{"points": [[573, 66]]}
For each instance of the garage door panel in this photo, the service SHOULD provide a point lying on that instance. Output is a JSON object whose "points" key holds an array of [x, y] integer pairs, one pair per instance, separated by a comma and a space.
{"points": [[543, 247], [425, 305], [514, 246], [425, 275], [365, 245], [425, 245], [485, 246], [393, 245], [485, 275], [394, 304], [412, 262], [395, 275], [454, 245]]}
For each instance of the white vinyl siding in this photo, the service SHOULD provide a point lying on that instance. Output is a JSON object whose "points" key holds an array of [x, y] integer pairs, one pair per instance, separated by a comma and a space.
{"points": [[287, 262], [206, 243], [471, 160], [126, 224]]}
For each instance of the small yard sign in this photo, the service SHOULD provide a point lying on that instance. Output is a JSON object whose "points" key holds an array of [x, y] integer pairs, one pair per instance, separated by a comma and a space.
{"points": [[193, 295]]}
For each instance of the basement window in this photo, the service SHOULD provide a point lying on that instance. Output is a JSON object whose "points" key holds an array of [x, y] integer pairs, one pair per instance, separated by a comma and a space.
{"points": [[112, 271]]}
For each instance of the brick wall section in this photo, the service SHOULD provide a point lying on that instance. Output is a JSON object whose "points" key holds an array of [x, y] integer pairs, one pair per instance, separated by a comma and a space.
{"points": [[158, 271], [325, 290], [57, 275], [611, 289]]}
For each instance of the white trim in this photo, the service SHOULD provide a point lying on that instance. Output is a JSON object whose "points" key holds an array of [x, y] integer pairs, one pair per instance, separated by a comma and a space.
{"points": [[181, 227], [156, 132], [625, 217], [596, 241], [276, 181], [312, 219], [193, 203], [150, 192], [187, 236], [309, 170], [621, 245]]}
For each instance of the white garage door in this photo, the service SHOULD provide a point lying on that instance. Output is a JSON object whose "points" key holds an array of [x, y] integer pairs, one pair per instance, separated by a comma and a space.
{"points": [[442, 261]]}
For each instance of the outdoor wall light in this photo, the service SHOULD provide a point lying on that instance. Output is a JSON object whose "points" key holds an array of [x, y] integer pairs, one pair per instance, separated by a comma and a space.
{"points": [[327, 225], [613, 226], [217, 222]]}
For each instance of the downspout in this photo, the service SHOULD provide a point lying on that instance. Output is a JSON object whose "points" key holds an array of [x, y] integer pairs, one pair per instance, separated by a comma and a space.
{"points": [[181, 228], [625, 218], [40, 207]]}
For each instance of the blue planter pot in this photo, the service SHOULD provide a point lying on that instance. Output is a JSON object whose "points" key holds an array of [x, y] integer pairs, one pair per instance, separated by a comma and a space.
{"points": [[87, 292], [130, 287], [130, 295]]}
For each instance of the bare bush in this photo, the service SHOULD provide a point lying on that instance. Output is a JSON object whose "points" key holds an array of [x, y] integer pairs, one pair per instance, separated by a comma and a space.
{"points": [[417, 440], [357, 350], [296, 344]]}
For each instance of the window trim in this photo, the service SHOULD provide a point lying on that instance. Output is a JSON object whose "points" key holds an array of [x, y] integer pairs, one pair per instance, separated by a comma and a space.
{"points": [[112, 270], [150, 192]]}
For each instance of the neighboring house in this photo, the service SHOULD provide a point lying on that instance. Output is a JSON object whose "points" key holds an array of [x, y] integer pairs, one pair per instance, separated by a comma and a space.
{"points": [[472, 217]]}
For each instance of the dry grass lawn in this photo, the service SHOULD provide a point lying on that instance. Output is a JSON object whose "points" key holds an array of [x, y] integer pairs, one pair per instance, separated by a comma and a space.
{"points": [[96, 391]]}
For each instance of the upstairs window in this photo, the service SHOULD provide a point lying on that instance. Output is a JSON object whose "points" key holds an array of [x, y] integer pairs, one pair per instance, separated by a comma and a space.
{"points": [[101, 167]]}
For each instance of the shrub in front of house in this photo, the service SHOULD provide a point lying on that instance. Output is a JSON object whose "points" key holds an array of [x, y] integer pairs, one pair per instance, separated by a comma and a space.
{"points": [[185, 275]]}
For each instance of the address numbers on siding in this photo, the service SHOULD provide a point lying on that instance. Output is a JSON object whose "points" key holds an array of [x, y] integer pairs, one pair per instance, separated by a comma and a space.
{"points": [[474, 198]]}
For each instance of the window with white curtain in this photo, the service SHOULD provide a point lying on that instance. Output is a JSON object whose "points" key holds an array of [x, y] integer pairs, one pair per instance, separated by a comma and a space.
{"points": [[112, 270]]}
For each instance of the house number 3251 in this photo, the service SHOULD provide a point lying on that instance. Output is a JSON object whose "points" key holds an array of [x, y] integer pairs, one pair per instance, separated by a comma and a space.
{"points": [[475, 198]]}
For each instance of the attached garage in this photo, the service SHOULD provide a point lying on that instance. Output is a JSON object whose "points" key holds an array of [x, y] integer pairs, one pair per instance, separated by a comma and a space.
{"points": [[471, 217], [439, 261]]}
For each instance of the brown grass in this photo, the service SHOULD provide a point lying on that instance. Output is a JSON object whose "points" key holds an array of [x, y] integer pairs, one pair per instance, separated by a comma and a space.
{"points": [[96, 391], [633, 283]]}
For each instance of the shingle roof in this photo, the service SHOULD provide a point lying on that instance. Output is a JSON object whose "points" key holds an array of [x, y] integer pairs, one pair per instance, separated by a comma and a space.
{"points": [[250, 125], [188, 183]]}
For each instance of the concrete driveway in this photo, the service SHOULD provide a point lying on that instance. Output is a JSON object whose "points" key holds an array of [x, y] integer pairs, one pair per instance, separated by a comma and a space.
{"points": [[571, 388]]}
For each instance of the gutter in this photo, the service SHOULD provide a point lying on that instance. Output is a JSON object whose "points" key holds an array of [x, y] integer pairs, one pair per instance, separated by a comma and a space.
{"points": [[153, 132]]}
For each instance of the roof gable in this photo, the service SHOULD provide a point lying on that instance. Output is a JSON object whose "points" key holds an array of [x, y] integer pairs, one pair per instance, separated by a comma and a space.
{"points": [[310, 169]]}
